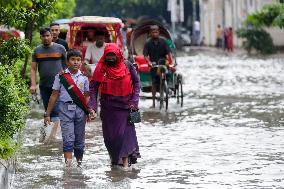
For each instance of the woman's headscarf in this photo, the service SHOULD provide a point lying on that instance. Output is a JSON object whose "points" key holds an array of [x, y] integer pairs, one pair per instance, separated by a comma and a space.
{"points": [[115, 72], [115, 80]]}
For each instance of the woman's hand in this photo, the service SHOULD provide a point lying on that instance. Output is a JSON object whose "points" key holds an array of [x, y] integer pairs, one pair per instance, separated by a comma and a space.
{"points": [[92, 114], [132, 107]]}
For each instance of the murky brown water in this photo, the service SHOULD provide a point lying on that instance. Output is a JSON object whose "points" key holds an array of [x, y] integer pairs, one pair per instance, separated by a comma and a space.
{"points": [[229, 134]]}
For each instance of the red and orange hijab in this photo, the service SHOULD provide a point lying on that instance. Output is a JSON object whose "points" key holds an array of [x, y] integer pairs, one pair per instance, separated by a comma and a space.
{"points": [[114, 80]]}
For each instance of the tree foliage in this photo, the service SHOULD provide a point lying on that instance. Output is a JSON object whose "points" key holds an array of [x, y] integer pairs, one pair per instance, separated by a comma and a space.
{"points": [[13, 103], [269, 15], [121, 8], [13, 50], [19, 13], [254, 35], [29, 16], [13, 94], [258, 39]]}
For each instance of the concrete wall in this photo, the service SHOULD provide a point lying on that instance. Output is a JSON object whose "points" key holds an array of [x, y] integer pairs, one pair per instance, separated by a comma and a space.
{"points": [[231, 13], [208, 11], [7, 169], [277, 36]]}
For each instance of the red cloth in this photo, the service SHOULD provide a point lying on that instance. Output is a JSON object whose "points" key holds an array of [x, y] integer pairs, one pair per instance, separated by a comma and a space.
{"points": [[142, 64], [114, 80], [74, 92], [230, 40]]}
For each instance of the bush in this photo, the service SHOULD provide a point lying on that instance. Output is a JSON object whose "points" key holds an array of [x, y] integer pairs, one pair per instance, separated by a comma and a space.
{"points": [[13, 103], [13, 94], [258, 39], [13, 50]]}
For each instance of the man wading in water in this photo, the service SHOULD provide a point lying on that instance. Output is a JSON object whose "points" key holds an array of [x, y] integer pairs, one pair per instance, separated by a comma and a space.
{"points": [[49, 58]]}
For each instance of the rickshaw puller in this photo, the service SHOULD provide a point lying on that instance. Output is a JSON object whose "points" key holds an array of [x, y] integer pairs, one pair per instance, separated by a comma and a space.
{"points": [[155, 50]]}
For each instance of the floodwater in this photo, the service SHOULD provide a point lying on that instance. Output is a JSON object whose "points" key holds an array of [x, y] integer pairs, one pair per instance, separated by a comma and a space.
{"points": [[229, 134]]}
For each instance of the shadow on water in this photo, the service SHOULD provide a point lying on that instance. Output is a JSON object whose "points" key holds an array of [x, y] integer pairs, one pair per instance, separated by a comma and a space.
{"points": [[74, 178], [46, 149], [163, 118], [116, 175]]}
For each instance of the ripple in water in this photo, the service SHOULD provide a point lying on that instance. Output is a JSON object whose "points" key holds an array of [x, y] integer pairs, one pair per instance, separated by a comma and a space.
{"points": [[229, 134]]}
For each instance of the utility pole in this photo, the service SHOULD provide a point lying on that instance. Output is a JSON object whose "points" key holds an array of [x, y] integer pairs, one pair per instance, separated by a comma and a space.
{"points": [[223, 14], [172, 7], [193, 12], [177, 12], [193, 20]]}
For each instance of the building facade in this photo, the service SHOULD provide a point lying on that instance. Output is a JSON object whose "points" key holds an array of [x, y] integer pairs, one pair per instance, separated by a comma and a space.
{"points": [[231, 13]]}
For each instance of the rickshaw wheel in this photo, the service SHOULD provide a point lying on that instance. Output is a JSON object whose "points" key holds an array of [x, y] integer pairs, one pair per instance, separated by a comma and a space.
{"points": [[179, 90], [164, 93]]}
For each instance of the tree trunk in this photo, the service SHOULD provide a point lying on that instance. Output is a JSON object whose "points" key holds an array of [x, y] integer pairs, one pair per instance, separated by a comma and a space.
{"points": [[28, 36]]}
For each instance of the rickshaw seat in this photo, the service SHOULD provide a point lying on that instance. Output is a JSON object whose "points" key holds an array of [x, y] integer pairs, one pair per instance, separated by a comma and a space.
{"points": [[172, 68], [142, 64]]}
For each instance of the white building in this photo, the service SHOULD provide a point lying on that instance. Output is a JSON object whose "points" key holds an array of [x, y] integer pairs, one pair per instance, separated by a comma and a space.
{"points": [[231, 13]]}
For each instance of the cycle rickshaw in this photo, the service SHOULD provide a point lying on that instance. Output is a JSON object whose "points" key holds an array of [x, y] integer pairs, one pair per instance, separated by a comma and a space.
{"points": [[79, 27], [171, 83]]}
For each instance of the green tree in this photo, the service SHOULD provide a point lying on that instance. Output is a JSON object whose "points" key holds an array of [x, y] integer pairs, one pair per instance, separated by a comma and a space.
{"points": [[121, 8], [13, 94], [254, 35], [30, 15], [269, 15]]}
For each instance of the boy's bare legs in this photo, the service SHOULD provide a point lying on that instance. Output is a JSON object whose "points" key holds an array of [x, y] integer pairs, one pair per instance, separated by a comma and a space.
{"points": [[54, 130], [79, 161], [68, 155], [68, 158]]}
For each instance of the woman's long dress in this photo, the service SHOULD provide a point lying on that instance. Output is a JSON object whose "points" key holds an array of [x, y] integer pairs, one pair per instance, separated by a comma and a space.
{"points": [[119, 135]]}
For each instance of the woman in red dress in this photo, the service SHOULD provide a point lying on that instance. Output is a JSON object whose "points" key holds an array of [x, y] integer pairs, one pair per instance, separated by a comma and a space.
{"points": [[230, 39]]}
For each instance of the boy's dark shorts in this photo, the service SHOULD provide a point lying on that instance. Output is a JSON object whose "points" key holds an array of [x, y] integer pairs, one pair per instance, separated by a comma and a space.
{"points": [[45, 93]]}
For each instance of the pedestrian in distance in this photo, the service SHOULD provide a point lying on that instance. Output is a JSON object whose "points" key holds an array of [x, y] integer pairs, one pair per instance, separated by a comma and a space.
{"points": [[117, 82], [202, 42], [230, 39], [49, 58], [71, 90], [124, 31], [225, 37], [219, 33], [55, 31], [197, 32]]}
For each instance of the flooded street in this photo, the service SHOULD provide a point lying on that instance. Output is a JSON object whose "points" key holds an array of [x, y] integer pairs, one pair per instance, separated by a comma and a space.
{"points": [[228, 134]]}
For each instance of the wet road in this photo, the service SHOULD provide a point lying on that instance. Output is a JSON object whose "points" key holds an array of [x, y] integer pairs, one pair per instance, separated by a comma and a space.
{"points": [[229, 134]]}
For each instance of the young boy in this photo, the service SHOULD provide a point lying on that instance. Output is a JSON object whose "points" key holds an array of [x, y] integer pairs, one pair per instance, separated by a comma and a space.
{"points": [[71, 89]]}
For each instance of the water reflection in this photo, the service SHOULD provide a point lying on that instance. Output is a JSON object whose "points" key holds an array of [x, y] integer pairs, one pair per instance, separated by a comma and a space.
{"points": [[115, 174], [74, 178]]}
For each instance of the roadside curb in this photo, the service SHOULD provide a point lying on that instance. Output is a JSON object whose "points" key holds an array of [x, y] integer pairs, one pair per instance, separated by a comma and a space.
{"points": [[7, 168], [239, 52]]}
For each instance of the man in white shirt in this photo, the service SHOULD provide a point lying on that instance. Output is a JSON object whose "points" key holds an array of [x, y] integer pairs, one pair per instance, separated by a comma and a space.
{"points": [[94, 53], [197, 32]]}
